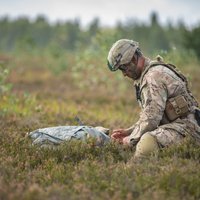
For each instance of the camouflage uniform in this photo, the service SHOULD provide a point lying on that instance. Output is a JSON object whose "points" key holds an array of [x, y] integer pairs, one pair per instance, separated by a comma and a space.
{"points": [[169, 111], [156, 85]]}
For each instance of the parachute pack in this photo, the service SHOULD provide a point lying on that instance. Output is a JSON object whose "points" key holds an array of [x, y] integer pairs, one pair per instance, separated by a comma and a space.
{"points": [[59, 134]]}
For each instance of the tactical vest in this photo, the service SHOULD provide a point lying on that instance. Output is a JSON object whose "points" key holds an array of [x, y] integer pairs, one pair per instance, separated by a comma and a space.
{"points": [[177, 106]]}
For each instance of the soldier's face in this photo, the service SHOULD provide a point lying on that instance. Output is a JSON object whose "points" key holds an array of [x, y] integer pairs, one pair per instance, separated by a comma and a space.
{"points": [[131, 70]]}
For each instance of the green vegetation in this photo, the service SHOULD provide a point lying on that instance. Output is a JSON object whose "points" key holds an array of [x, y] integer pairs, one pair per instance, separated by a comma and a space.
{"points": [[70, 36], [51, 84]]}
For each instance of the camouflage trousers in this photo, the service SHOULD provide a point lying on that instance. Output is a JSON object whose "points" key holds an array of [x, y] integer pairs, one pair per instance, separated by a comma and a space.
{"points": [[166, 137], [174, 132]]}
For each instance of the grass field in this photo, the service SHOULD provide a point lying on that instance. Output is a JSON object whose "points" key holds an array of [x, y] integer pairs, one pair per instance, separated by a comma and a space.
{"points": [[50, 90]]}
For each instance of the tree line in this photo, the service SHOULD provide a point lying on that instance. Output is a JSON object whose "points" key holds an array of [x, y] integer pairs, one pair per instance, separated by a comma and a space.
{"points": [[22, 33]]}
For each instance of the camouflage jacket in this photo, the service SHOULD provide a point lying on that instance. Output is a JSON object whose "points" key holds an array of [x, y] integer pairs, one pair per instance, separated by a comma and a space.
{"points": [[156, 85]]}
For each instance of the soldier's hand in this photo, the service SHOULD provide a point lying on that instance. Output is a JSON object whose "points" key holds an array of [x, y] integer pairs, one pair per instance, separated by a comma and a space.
{"points": [[126, 141], [119, 134]]}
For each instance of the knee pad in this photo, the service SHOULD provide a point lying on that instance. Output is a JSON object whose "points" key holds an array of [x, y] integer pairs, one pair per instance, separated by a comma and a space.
{"points": [[146, 145]]}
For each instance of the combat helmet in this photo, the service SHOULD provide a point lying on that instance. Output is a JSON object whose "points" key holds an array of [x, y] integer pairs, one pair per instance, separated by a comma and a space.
{"points": [[121, 53]]}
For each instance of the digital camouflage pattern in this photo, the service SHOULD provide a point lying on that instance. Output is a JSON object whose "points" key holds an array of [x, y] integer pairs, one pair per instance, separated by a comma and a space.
{"points": [[156, 85]]}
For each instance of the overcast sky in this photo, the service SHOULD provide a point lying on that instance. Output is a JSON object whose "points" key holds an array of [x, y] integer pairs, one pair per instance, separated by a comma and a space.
{"points": [[108, 11]]}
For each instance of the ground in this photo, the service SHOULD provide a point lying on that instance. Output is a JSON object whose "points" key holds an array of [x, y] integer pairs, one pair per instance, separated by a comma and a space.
{"points": [[42, 97]]}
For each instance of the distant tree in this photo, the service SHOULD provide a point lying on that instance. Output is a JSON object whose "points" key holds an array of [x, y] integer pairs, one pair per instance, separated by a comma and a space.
{"points": [[192, 40], [157, 35], [4, 28], [175, 34], [94, 27], [41, 31], [154, 19], [72, 33]]}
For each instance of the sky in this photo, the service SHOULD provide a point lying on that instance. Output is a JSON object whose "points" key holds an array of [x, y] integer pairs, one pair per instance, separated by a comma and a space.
{"points": [[108, 11]]}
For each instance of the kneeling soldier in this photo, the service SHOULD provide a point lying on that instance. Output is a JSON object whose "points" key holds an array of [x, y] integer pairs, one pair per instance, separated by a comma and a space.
{"points": [[169, 110]]}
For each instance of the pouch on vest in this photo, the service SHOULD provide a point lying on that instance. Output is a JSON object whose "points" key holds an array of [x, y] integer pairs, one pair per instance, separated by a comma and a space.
{"points": [[176, 107]]}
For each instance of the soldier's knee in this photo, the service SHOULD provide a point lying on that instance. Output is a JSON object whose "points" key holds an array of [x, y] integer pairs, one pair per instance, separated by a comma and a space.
{"points": [[146, 145]]}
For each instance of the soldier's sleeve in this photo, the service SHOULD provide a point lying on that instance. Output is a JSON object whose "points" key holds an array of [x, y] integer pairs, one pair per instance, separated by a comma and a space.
{"points": [[153, 102]]}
